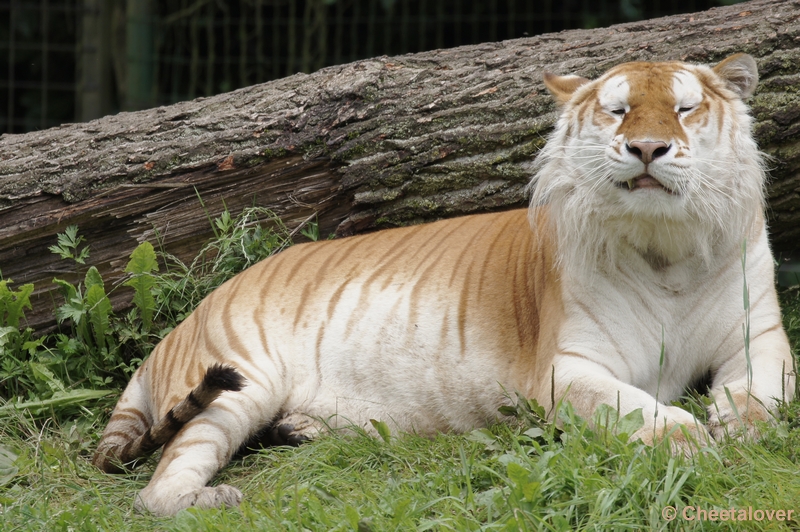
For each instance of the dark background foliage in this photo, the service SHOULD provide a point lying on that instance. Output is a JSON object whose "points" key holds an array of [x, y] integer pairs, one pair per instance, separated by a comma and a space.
{"points": [[75, 60]]}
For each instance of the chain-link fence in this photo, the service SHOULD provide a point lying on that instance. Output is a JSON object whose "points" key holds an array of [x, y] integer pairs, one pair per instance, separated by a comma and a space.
{"points": [[73, 60]]}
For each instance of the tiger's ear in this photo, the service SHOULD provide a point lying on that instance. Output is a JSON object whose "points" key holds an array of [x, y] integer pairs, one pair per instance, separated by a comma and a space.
{"points": [[740, 74], [563, 87]]}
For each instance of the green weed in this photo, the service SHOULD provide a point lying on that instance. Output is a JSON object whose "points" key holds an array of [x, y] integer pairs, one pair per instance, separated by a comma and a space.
{"points": [[238, 244], [68, 243], [61, 375]]}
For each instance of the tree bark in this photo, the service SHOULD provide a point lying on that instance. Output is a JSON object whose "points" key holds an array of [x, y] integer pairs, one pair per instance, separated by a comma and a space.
{"points": [[371, 144]]}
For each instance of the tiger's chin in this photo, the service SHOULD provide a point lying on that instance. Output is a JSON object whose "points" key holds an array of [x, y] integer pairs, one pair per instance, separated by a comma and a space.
{"points": [[649, 225]]}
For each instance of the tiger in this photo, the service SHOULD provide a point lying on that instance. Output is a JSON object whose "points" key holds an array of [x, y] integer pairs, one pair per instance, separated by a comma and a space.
{"points": [[621, 284]]}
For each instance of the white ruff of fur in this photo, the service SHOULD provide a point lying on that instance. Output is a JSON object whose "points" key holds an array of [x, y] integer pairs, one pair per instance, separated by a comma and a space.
{"points": [[720, 199]]}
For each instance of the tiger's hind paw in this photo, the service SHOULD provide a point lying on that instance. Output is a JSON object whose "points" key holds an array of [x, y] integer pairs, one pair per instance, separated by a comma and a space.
{"points": [[294, 429], [206, 497]]}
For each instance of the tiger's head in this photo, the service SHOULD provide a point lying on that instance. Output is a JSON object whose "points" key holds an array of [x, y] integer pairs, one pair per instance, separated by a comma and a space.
{"points": [[654, 158]]}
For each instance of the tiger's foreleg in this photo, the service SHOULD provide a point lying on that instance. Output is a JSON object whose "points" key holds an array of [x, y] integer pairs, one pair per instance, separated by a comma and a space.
{"points": [[587, 385], [745, 393]]}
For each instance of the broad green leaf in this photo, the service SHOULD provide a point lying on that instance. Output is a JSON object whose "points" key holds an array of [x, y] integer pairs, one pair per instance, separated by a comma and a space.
{"points": [[143, 261], [93, 278], [58, 399], [382, 428], [518, 474], [68, 290], [536, 408], [508, 410], [606, 416], [6, 333], [99, 308], [7, 469], [531, 490], [631, 422], [43, 374], [484, 437], [32, 345], [352, 516], [534, 432], [143, 297], [13, 304]]}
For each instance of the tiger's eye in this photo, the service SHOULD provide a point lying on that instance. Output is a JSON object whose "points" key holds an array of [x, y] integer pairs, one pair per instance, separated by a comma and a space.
{"points": [[618, 112]]}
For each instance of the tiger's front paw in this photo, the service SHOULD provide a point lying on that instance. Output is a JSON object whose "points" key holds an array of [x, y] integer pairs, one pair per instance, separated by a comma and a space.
{"points": [[685, 434], [206, 497], [738, 419]]}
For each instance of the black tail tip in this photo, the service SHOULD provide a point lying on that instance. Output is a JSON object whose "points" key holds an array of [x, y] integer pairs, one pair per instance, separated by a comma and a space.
{"points": [[224, 378]]}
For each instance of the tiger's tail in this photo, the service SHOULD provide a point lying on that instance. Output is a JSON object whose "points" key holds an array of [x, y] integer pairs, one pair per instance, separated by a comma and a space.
{"points": [[131, 434]]}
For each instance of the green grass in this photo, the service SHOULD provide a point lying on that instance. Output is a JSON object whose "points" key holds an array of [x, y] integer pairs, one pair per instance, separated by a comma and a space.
{"points": [[498, 479], [528, 476]]}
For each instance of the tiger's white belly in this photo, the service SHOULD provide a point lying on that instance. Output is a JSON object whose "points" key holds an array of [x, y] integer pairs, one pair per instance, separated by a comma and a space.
{"points": [[410, 373]]}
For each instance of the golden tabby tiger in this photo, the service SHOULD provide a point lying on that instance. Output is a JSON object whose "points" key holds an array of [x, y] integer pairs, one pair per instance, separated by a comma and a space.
{"points": [[642, 200]]}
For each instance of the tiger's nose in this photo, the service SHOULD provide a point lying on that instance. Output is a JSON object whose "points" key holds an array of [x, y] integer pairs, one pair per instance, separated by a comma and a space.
{"points": [[647, 151]]}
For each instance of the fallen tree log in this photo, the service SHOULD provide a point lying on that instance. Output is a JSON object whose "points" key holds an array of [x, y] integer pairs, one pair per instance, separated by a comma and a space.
{"points": [[371, 144]]}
